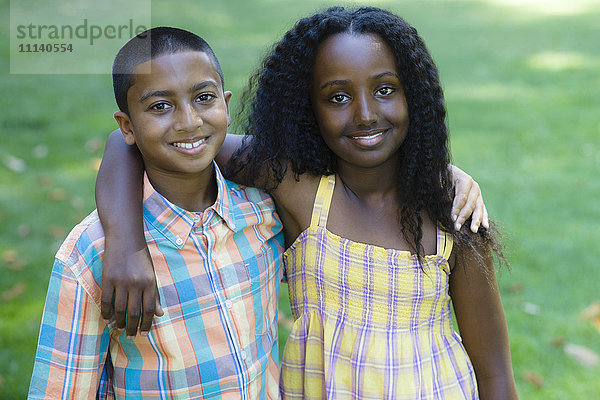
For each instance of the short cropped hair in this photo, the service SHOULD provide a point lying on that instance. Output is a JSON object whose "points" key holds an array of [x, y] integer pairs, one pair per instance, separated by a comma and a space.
{"points": [[151, 44]]}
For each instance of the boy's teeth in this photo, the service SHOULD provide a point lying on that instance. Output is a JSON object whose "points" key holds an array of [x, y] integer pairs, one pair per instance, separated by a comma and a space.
{"points": [[189, 145]]}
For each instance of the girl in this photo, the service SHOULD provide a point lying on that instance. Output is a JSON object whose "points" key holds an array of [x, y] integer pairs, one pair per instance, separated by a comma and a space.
{"points": [[347, 125]]}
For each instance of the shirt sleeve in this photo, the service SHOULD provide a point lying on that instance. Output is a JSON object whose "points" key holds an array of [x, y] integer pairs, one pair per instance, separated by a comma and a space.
{"points": [[73, 341]]}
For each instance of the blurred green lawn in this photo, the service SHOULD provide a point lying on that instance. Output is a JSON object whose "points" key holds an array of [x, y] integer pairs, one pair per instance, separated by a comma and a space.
{"points": [[522, 83]]}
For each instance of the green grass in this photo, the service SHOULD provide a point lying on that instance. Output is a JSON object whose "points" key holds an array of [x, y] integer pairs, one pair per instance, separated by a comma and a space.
{"points": [[521, 83]]}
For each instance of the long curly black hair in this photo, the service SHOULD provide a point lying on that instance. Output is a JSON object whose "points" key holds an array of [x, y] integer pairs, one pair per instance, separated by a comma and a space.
{"points": [[285, 133]]}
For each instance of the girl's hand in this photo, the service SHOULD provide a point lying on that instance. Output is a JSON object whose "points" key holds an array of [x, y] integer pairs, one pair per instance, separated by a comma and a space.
{"points": [[468, 201], [131, 282]]}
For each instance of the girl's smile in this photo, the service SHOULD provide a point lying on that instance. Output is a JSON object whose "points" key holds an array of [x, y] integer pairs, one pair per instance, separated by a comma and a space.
{"points": [[358, 99]]}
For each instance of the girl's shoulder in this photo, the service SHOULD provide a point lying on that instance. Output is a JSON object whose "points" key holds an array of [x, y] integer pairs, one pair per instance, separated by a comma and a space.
{"points": [[294, 197]]}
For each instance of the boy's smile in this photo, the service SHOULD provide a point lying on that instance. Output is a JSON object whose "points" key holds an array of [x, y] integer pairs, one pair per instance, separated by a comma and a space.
{"points": [[178, 114]]}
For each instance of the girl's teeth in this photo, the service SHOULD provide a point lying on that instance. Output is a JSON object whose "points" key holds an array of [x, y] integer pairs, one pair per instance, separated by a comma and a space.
{"points": [[189, 145], [368, 137]]}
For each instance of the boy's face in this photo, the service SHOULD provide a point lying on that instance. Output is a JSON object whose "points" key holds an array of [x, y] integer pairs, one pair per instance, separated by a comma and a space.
{"points": [[178, 113]]}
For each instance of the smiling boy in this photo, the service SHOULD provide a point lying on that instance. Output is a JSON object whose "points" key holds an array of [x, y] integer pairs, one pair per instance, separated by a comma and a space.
{"points": [[215, 245]]}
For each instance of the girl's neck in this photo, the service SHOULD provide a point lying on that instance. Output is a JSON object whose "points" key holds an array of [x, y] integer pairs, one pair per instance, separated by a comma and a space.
{"points": [[369, 183]]}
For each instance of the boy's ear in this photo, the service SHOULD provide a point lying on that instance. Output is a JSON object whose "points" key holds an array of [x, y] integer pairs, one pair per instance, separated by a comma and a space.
{"points": [[125, 125], [227, 96]]}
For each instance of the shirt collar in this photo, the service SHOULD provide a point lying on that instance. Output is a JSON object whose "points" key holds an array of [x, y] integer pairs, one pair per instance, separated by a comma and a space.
{"points": [[174, 222]]}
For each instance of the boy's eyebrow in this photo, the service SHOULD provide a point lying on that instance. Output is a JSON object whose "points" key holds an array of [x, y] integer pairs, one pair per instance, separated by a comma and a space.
{"points": [[343, 81], [167, 93]]}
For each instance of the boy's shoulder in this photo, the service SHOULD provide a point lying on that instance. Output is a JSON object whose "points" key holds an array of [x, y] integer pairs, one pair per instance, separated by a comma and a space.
{"points": [[84, 243], [246, 201]]}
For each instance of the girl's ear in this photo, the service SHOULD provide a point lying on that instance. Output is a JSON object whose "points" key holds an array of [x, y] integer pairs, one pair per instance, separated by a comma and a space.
{"points": [[125, 125]]}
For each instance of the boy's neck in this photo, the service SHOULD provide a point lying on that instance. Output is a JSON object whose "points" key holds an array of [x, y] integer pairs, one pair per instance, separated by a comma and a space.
{"points": [[192, 192]]}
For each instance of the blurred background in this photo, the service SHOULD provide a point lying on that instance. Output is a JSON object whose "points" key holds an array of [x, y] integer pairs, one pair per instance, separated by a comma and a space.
{"points": [[522, 83]]}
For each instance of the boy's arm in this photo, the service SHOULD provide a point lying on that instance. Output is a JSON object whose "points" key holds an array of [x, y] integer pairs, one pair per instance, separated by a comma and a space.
{"points": [[468, 201], [482, 324], [73, 341], [128, 274]]}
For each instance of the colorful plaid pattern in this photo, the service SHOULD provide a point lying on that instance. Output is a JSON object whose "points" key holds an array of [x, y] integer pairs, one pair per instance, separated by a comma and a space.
{"points": [[218, 275], [369, 323]]}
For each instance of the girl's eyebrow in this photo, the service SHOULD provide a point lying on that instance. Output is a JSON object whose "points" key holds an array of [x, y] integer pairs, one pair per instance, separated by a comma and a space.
{"points": [[334, 83], [344, 81], [166, 93], [386, 74]]}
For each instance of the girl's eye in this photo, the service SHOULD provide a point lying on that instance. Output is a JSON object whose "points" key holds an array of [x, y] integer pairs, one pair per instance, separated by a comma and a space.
{"points": [[339, 98], [385, 91], [205, 97], [160, 106]]}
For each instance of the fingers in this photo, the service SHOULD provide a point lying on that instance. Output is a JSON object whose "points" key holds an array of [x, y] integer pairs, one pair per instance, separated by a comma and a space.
{"points": [[477, 217], [158, 310], [120, 309], [106, 302], [134, 305], [467, 209], [462, 189], [486, 220], [148, 310]]}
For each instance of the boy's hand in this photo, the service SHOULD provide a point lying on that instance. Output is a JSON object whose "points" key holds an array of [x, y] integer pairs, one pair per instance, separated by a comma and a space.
{"points": [[467, 201], [132, 285]]}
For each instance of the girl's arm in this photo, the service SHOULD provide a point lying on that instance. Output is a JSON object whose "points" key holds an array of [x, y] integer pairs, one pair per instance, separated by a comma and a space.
{"points": [[127, 273], [482, 324]]}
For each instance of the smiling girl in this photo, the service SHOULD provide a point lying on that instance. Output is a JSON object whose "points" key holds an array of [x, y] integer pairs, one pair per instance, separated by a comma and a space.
{"points": [[373, 259]]}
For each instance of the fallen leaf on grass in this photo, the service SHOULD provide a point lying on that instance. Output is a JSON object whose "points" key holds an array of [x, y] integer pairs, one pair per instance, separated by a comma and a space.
{"points": [[57, 232], [24, 230], [516, 288], [591, 311], [14, 292], [13, 261], [93, 145], [558, 342], [581, 354], [15, 164], [530, 308], [534, 378], [57, 195], [9, 256], [285, 322], [40, 151], [45, 180], [95, 163]]}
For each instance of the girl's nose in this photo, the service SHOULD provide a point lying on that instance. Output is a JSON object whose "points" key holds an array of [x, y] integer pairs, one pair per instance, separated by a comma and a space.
{"points": [[364, 113]]}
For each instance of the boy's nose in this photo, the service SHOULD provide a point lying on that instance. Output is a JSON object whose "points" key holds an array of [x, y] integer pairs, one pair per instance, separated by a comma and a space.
{"points": [[188, 119], [364, 113]]}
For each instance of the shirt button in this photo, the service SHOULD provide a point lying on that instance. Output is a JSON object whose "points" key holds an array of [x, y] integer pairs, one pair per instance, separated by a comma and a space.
{"points": [[228, 304], [179, 241], [197, 218], [244, 355]]}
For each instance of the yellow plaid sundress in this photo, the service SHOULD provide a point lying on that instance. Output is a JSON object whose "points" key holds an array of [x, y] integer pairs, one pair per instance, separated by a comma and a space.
{"points": [[369, 322]]}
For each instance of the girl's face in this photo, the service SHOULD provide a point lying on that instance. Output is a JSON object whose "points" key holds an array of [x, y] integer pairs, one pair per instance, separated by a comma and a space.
{"points": [[358, 99]]}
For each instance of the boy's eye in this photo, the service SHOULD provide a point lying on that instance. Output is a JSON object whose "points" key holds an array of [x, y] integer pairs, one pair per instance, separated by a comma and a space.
{"points": [[160, 106], [206, 97], [385, 91], [339, 98]]}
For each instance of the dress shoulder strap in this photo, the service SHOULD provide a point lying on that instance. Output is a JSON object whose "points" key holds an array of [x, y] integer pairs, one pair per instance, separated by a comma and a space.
{"points": [[444, 243], [323, 201]]}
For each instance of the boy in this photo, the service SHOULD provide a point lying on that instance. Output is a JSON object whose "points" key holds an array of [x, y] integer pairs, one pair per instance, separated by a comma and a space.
{"points": [[215, 245]]}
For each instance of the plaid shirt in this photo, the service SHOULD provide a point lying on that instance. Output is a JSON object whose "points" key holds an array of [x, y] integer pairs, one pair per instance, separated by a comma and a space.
{"points": [[218, 274]]}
